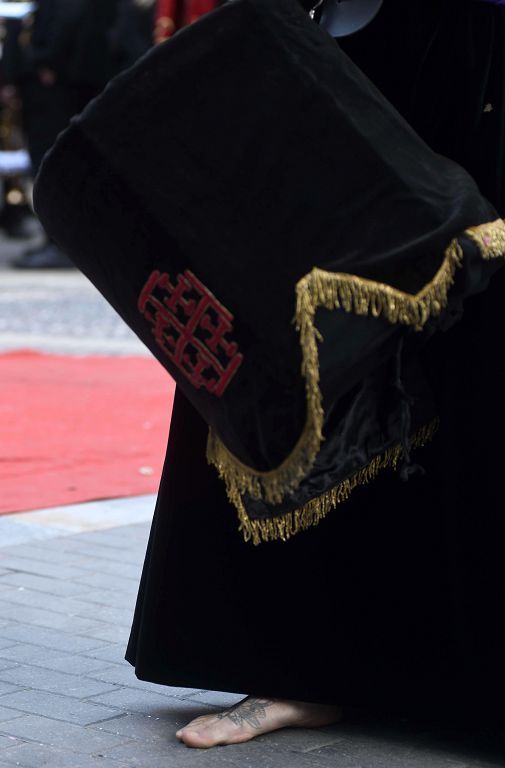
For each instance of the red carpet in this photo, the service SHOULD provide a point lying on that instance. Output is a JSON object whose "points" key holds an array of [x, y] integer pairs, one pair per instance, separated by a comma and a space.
{"points": [[75, 429]]}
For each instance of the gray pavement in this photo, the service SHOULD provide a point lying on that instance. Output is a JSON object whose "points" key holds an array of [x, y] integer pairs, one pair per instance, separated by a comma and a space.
{"points": [[68, 581], [57, 311]]}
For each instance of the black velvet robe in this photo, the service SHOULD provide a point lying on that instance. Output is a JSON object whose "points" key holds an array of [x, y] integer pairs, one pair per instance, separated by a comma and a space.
{"points": [[397, 598]]}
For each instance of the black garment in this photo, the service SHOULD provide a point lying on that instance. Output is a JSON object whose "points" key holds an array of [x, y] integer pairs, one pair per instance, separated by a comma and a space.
{"points": [[458, 102], [442, 64], [47, 110], [398, 596], [345, 607]]}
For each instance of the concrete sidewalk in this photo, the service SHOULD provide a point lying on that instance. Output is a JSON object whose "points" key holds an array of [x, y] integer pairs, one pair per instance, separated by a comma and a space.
{"points": [[68, 581]]}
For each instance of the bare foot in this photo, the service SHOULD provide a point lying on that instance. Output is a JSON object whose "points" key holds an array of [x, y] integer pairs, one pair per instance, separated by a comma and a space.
{"points": [[252, 717]]}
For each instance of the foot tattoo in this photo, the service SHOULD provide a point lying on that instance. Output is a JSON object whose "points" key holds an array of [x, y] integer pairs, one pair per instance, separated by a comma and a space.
{"points": [[251, 711]]}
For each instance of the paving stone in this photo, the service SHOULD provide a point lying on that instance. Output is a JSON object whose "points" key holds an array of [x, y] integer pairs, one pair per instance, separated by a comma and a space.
{"points": [[155, 754], [8, 688], [42, 617], [114, 568], [61, 735], [25, 653], [370, 753], [105, 613], [72, 664], [124, 676], [56, 641], [142, 727], [44, 553], [39, 551], [217, 698], [7, 742], [108, 634], [57, 707], [116, 599], [37, 756], [6, 664], [54, 570], [300, 739], [70, 606], [112, 654], [4, 643], [134, 558], [113, 539], [99, 553], [110, 583], [44, 584], [8, 714], [131, 700], [55, 682], [5, 765]]}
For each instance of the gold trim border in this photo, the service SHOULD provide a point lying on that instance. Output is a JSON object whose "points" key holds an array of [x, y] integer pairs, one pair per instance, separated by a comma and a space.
{"points": [[490, 238], [353, 294], [284, 527]]}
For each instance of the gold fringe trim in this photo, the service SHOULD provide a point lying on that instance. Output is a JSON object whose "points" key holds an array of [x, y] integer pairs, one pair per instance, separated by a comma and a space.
{"points": [[352, 294], [285, 526], [274, 484], [490, 238], [330, 290], [338, 290]]}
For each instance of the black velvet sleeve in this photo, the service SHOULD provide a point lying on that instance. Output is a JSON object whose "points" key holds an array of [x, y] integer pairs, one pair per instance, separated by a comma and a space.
{"points": [[283, 242]]}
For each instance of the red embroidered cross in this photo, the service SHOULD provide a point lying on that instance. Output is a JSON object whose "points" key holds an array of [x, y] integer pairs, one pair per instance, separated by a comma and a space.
{"points": [[190, 326]]}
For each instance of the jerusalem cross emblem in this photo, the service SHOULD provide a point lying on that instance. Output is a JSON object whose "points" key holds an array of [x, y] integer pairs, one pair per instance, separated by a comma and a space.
{"points": [[191, 326]]}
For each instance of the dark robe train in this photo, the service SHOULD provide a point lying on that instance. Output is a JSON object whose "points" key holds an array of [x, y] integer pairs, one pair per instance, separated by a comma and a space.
{"points": [[387, 592]]}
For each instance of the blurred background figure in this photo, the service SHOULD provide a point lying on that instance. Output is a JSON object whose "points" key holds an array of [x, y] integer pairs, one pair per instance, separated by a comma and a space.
{"points": [[132, 34], [55, 62], [171, 15], [16, 218]]}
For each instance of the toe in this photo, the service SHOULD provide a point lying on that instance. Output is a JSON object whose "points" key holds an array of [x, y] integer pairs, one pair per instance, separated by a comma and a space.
{"points": [[197, 739]]}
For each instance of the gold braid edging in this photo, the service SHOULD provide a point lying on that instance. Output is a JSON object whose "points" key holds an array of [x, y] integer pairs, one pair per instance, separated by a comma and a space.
{"points": [[289, 524], [352, 294]]}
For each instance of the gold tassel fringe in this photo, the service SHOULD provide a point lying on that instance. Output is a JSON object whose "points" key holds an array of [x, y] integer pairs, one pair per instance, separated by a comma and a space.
{"points": [[274, 484], [363, 297], [285, 526], [490, 238], [338, 290]]}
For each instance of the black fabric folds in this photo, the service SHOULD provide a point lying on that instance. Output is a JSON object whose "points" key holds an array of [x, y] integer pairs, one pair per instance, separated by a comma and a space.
{"points": [[200, 191]]}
